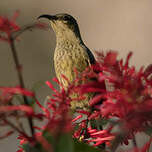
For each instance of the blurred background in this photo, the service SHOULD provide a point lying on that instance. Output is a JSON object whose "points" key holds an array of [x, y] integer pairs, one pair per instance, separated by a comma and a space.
{"points": [[121, 25]]}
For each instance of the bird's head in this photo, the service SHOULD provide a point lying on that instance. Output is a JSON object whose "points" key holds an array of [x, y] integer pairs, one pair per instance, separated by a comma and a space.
{"points": [[64, 25]]}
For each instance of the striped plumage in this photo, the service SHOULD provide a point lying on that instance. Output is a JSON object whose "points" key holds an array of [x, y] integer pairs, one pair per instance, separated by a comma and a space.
{"points": [[70, 51]]}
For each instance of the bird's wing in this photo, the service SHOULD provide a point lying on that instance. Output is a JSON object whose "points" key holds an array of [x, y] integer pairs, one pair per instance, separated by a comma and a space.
{"points": [[91, 56]]}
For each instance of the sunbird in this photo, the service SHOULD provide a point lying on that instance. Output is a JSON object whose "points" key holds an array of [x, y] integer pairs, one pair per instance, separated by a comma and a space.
{"points": [[70, 51]]}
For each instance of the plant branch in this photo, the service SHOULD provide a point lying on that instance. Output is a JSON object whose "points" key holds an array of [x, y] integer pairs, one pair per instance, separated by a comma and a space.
{"points": [[15, 128], [28, 28], [134, 141], [22, 30], [119, 138], [20, 78]]}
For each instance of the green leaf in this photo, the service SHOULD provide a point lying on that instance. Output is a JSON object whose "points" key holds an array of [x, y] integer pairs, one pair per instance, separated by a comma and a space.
{"points": [[48, 136], [63, 143], [83, 147], [148, 131], [36, 148]]}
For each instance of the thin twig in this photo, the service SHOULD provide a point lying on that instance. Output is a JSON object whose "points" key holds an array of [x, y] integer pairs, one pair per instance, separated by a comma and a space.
{"points": [[148, 150], [17, 119], [15, 128], [134, 142], [27, 28], [22, 30], [20, 78], [119, 139]]}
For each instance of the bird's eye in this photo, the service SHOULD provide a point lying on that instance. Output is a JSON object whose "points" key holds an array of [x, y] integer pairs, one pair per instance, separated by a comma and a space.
{"points": [[65, 18], [68, 19]]}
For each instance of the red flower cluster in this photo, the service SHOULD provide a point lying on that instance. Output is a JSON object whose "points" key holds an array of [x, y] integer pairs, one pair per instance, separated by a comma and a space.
{"points": [[8, 26], [100, 137], [7, 93], [59, 105], [8, 110], [57, 119], [128, 96], [128, 100], [122, 96]]}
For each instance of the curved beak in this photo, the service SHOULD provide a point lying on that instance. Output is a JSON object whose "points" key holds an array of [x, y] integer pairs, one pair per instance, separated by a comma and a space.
{"points": [[50, 17]]}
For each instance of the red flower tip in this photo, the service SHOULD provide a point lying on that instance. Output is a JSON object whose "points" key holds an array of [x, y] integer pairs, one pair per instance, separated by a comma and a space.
{"points": [[45, 110], [41, 25], [23, 108], [8, 26], [16, 90], [83, 112], [127, 60], [49, 84], [96, 99], [110, 58], [148, 70], [99, 137], [78, 117], [15, 15]]}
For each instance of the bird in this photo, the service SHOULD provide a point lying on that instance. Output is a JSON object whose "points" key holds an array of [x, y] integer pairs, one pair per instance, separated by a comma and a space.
{"points": [[70, 51]]}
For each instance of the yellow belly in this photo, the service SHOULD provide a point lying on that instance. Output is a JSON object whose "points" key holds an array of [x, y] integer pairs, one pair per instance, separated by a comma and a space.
{"points": [[65, 61]]}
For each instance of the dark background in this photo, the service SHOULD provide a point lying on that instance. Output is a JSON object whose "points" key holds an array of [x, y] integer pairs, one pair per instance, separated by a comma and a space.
{"points": [[122, 25]]}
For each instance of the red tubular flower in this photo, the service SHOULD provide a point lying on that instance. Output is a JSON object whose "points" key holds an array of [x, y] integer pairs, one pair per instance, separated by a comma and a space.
{"points": [[81, 132], [7, 26], [8, 92], [41, 25], [78, 117], [128, 99], [59, 120], [16, 112], [127, 94], [24, 108], [100, 137]]}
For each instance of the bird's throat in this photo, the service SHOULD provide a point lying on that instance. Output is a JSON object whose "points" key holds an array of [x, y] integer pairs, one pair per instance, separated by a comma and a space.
{"points": [[61, 37]]}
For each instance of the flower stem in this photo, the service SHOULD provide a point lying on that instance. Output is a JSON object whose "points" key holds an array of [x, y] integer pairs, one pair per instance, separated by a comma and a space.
{"points": [[22, 30], [20, 78], [134, 142], [15, 128]]}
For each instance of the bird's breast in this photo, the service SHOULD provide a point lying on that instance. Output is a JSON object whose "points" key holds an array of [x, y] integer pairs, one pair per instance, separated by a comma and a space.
{"points": [[67, 57]]}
